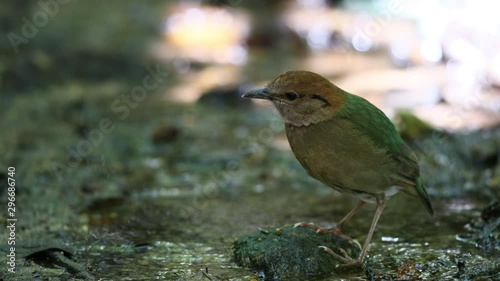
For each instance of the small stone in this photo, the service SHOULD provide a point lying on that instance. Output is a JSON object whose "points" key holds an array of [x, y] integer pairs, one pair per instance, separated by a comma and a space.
{"points": [[484, 231], [225, 97], [166, 134], [492, 212]]}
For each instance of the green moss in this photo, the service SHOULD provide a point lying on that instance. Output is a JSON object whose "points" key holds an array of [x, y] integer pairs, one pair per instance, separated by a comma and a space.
{"points": [[286, 252], [410, 127]]}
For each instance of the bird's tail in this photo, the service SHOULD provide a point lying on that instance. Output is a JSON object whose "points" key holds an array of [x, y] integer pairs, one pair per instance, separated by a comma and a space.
{"points": [[422, 194]]}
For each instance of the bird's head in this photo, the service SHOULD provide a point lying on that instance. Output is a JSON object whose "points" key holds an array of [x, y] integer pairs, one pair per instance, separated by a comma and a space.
{"points": [[302, 97]]}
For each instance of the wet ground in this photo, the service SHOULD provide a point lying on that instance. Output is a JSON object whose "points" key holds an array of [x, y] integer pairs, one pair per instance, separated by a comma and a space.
{"points": [[108, 189], [135, 210]]}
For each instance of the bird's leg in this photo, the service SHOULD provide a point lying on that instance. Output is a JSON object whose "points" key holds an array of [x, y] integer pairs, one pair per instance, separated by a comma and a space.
{"points": [[337, 229], [359, 261], [348, 216]]}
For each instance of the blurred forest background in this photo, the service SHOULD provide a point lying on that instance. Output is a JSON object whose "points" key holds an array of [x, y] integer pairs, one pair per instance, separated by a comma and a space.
{"points": [[136, 158]]}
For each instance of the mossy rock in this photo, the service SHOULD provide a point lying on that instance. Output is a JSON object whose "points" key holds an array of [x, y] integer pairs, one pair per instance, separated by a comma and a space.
{"points": [[285, 252], [410, 127], [484, 231]]}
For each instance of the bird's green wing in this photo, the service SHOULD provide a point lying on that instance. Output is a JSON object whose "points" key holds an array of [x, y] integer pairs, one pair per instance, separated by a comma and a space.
{"points": [[375, 124]]}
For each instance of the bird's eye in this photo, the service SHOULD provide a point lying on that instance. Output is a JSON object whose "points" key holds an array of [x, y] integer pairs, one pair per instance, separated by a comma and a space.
{"points": [[291, 96]]}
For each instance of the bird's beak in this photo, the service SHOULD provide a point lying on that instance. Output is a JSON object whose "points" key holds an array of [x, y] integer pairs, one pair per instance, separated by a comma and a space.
{"points": [[257, 94]]}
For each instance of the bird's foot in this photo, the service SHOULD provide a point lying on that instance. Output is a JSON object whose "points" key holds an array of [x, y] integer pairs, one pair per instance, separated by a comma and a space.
{"points": [[348, 261], [333, 230], [309, 225]]}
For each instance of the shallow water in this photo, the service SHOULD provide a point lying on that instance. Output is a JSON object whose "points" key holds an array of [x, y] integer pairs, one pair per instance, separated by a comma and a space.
{"points": [[143, 205], [138, 211]]}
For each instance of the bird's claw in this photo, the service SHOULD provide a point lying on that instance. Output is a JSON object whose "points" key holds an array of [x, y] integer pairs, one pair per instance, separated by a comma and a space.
{"points": [[344, 257], [309, 225], [334, 230]]}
